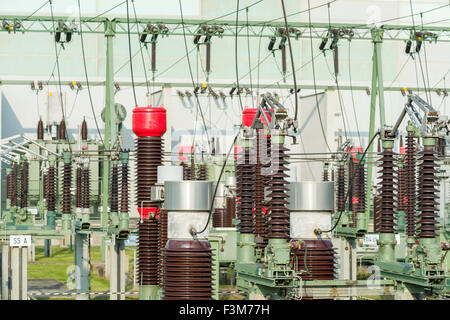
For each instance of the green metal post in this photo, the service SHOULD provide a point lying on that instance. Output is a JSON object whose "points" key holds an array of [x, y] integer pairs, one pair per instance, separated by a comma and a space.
{"points": [[377, 41], [110, 135]]}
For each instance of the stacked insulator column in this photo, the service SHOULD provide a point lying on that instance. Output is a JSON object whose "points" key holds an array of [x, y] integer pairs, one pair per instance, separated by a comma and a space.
{"points": [[186, 171], [66, 195], [51, 192], [354, 186], [163, 238], [411, 184], [401, 177], [219, 218], [245, 175], [340, 188], [114, 195], [387, 192], [230, 210], [124, 188], [202, 172], [188, 262], [14, 185], [8, 186], [320, 260], [427, 193], [278, 224], [85, 194], [78, 188], [62, 130], [40, 130], [24, 184], [260, 219], [192, 168], [325, 174], [149, 124]]}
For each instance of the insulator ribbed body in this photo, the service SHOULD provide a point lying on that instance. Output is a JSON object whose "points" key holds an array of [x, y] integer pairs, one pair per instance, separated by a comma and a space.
{"points": [[14, 185], [202, 172], [219, 218], [40, 130], [8, 186], [163, 238], [401, 194], [354, 185], [427, 193], [188, 270], [260, 220], [114, 195], [325, 176], [245, 191], [24, 184], [278, 224], [320, 259], [62, 130], [192, 168], [66, 195], [79, 189], [51, 192], [84, 130], [411, 184], [86, 186], [230, 210], [186, 171], [124, 189], [387, 192], [148, 252], [340, 196], [148, 157]]}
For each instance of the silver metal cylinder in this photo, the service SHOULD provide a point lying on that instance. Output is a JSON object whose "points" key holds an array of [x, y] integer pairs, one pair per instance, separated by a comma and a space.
{"points": [[311, 205], [188, 204]]}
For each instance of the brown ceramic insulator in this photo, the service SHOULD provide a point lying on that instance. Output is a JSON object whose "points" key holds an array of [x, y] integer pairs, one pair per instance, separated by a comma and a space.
{"points": [[148, 252], [354, 186], [230, 206], [124, 189], [401, 193], [260, 221], [14, 185], [245, 176], [66, 195], [51, 192], [79, 191], [387, 192], [186, 171], [219, 218], [440, 146], [320, 259], [278, 224], [340, 190], [332, 175], [84, 130], [325, 176], [428, 205], [411, 184], [188, 270], [114, 191], [163, 238], [350, 182], [40, 130], [62, 130], [202, 172], [24, 184], [192, 168], [85, 196], [8, 186], [148, 158], [266, 160], [362, 187]]}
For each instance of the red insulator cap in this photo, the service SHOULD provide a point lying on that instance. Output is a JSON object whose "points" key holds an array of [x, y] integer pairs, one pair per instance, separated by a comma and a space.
{"points": [[248, 115], [149, 121]]}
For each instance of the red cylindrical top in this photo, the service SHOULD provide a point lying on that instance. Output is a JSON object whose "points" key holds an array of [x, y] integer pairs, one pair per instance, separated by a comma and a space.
{"points": [[248, 115], [149, 121]]}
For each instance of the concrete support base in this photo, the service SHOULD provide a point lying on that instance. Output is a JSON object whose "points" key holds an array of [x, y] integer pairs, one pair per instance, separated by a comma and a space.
{"points": [[118, 266], [82, 266], [14, 279]]}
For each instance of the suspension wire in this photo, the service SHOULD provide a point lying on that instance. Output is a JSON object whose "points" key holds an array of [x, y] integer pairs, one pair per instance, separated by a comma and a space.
{"points": [[352, 183], [190, 71], [236, 57], [292, 60], [351, 91], [86, 74], [131, 58], [314, 77], [426, 62], [140, 50], [59, 75]]}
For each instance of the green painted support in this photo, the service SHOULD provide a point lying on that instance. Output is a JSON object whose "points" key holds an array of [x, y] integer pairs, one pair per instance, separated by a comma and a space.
{"points": [[147, 292], [110, 136], [246, 248]]}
